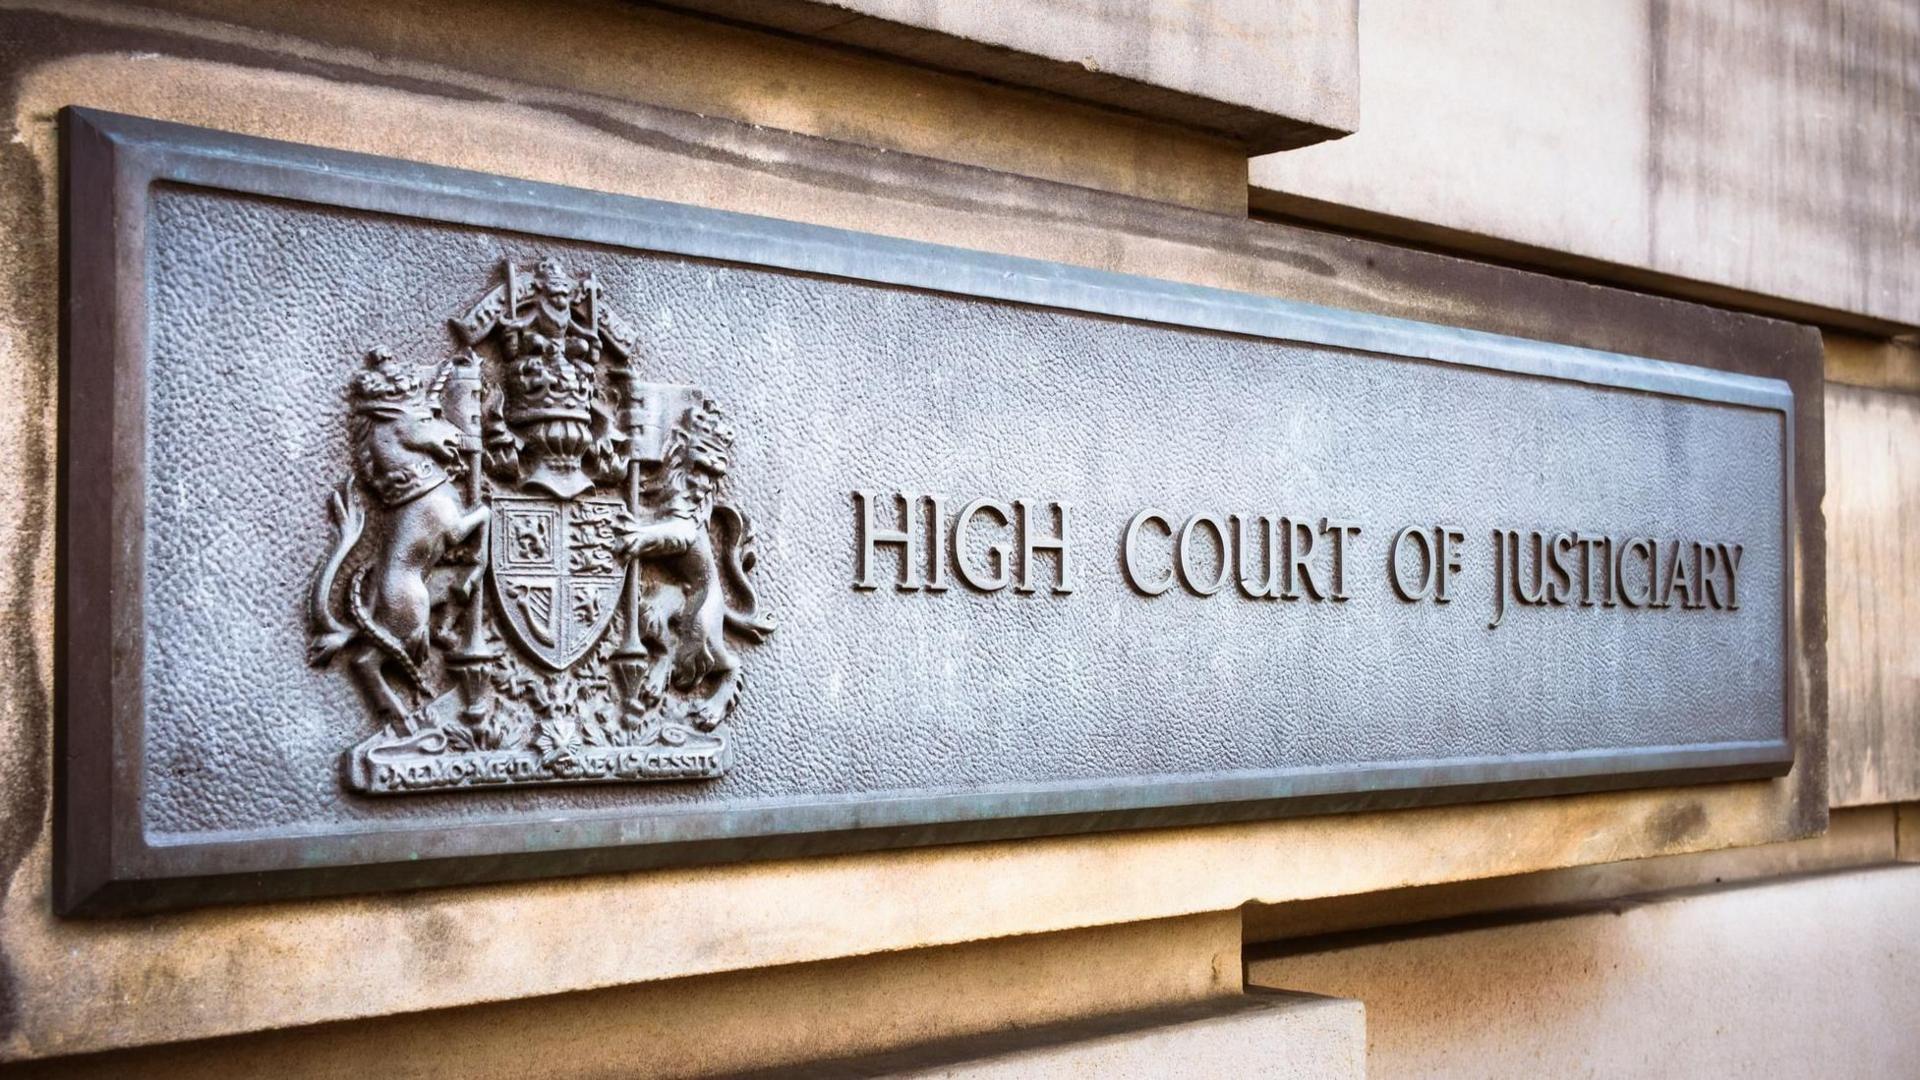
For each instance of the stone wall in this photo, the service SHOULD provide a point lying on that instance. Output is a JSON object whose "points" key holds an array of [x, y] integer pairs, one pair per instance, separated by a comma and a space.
{"points": [[760, 964], [1758, 154]]}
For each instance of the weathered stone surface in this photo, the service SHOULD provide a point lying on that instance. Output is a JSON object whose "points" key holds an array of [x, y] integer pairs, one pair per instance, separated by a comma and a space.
{"points": [[1691, 984], [1873, 362], [1873, 510], [1210, 65], [594, 53], [722, 1025], [1862, 836], [1261, 1035], [1762, 154], [173, 977]]}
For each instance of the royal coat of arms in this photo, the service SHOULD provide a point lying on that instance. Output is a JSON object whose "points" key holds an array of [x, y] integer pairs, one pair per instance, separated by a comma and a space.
{"points": [[536, 576]]}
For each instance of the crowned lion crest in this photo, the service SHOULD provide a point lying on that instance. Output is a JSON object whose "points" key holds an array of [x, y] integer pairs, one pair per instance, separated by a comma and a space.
{"points": [[536, 575]]}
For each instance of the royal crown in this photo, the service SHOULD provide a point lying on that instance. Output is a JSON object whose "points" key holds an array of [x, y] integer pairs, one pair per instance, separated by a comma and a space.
{"points": [[550, 384]]}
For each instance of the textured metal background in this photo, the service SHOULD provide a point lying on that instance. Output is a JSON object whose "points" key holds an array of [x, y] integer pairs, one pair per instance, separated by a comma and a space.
{"points": [[257, 310]]}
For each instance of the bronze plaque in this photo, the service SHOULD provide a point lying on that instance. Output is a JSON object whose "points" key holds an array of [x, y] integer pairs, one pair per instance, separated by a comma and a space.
{"points": [[424, 527]]}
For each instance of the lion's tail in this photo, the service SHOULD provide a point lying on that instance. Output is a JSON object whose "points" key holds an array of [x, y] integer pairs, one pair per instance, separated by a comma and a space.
{"points": [[738, 557], [379, 635], [330, 635]]}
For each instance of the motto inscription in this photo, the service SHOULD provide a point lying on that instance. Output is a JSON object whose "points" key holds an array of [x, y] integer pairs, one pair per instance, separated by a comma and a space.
{"points": [[535, 569]]}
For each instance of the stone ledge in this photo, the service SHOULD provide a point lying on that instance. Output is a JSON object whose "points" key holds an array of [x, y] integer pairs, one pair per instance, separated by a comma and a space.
{"points": [[1261, 1035], [1208, 66], [1801, 976]]}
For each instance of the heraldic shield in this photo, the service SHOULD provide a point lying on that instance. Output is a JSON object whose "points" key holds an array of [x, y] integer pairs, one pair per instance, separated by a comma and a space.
{"points": [[556, 572], [537, 575]]}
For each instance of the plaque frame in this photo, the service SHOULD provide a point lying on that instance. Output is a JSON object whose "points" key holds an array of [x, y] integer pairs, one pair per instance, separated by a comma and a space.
{"points": [[105, 863]]}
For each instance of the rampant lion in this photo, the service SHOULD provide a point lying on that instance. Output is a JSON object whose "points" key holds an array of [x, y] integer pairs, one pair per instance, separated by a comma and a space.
{"points": [[694, 574]]}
